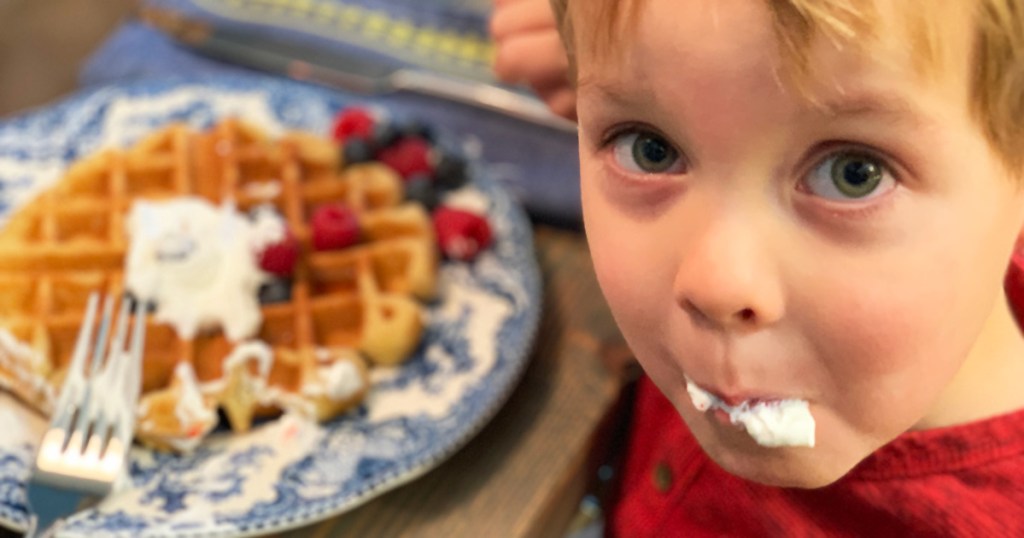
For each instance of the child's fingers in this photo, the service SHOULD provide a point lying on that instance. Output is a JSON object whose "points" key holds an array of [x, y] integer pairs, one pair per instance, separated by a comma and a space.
{"points": [[499, 3], [529, 51], [562, 102], [534, 59], [520, 16]]}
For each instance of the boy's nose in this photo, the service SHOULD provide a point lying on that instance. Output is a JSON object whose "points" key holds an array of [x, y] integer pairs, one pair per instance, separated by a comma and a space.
{"points": [[726, 277]]}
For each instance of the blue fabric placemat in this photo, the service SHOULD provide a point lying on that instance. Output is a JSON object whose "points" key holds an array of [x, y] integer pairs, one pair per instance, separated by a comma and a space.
{"points": [[538, 165]]}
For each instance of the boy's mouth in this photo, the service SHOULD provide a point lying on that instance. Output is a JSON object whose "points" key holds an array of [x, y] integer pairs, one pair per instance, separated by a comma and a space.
{"points": [[771, 423]]}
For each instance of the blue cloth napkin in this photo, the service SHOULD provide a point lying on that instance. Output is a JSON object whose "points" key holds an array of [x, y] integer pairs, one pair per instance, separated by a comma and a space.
{"points": [[538, 165]]}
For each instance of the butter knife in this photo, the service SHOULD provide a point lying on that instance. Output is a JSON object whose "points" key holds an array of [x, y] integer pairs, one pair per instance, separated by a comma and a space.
{"points": [[343, 71]]}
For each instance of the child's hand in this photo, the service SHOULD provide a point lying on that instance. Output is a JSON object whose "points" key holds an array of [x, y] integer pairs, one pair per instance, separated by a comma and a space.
{"points": [[530, 52]]}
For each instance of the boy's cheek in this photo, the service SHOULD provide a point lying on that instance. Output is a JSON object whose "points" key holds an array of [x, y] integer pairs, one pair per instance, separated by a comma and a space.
{"points": [[631, 262], [886, 345], [626, 279]]}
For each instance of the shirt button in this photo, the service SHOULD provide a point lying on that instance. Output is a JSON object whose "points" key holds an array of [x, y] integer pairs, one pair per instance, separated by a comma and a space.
{"points": [[662, 477]]}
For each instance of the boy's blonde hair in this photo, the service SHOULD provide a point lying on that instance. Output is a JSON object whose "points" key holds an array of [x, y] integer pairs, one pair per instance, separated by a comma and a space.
{"points": [[997, 68]]}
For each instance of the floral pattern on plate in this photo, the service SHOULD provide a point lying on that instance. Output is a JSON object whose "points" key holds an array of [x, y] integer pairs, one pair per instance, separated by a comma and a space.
{"points": [[287, 472]]}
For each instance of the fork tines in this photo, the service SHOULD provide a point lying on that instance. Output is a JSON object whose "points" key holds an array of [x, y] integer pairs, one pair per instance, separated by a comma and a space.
{"points": [[84, 449]]}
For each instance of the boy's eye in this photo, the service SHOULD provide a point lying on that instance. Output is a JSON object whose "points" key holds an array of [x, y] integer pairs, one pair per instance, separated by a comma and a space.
{"points": [[646, 153], [850, 175]]}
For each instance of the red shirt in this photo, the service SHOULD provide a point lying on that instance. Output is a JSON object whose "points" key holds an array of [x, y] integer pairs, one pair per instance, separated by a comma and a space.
{"points": [[966, 480]]}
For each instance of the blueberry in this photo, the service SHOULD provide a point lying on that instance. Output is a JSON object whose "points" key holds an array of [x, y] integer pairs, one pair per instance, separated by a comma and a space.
{"points": [[356, 150], [450, 172], [384, 135], [278, 290], [419, 188], [417, 129], [133, 301]]}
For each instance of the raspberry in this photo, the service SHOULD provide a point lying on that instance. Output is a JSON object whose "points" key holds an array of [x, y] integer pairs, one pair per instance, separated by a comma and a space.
{"points": [[408, 157], [279, 258], [353, 122], [334, 226], [461, 234]]}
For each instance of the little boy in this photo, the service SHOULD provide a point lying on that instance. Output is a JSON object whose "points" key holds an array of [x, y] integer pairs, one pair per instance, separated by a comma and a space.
{"points": [[801, 213]]}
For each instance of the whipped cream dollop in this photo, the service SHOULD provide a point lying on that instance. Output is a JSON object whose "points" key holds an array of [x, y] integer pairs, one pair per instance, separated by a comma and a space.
{"points": [[336, 381], [256, 351], [337, 377], [28, 368], [772, 424], [197, 262], [191, 408], [469, 199], [195, 417]]}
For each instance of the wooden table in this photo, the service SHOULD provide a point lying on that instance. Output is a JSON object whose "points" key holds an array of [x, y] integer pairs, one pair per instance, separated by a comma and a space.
{"points": [[525, 473], [43, 46]]}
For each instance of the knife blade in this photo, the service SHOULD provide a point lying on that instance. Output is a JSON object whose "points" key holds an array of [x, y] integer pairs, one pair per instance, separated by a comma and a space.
{"points": [[341, 70]]}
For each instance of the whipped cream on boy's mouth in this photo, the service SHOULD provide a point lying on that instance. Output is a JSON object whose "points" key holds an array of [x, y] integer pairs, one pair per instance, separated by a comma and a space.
{"points": [[772, 424]]}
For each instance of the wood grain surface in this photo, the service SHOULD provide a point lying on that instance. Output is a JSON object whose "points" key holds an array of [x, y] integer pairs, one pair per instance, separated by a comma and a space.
{"points": [[43, 44]]}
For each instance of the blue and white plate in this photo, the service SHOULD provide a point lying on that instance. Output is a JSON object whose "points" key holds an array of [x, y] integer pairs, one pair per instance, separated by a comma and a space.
{"points": [[287, 472]]}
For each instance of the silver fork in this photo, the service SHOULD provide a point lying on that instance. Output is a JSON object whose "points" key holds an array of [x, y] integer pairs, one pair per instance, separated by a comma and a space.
{"points": [[84, 451]]}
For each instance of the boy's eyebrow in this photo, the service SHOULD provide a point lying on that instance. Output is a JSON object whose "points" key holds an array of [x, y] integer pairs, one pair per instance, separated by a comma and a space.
{"points": [[608, 89], [860, 102], [868, 103]]}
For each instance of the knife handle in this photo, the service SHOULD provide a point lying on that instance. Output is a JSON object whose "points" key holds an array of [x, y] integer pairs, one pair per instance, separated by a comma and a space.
{"points": [[480, 95]]}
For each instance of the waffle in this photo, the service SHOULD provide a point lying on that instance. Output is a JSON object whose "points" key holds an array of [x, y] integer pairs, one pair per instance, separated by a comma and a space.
{"points": [[349, 309]]}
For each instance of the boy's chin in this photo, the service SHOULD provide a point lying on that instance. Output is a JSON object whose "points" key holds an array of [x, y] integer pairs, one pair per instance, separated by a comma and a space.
{"points": [[807, 468], [804, 478]]}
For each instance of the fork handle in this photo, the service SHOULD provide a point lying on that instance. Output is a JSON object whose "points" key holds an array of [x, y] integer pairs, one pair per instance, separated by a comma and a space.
{"points": [[50, 505]]}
